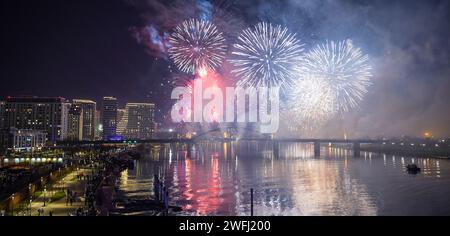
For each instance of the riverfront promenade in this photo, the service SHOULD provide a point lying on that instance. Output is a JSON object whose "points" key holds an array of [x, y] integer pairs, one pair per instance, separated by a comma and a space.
{"points": [[59, 207]]}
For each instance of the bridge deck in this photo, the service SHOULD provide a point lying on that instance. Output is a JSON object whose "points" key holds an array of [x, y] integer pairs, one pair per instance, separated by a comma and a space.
{"points": [[292, 140]]}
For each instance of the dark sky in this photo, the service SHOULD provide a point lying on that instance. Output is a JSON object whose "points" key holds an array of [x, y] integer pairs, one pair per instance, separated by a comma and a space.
{"points": [[85, 49], [71, 49]]}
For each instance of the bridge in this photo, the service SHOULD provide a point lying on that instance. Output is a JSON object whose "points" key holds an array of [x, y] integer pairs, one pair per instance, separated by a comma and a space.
{"points": [[356, 143]]}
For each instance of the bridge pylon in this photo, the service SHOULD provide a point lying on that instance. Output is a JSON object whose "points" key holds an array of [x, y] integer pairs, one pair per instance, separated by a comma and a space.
{"points": [[317, 149], [356, 149], [276, 148]]}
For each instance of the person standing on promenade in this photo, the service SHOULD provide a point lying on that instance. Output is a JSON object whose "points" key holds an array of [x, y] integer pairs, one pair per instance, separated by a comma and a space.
{"points": [[156, 189], [41, 211], [166, 202], [69, 193]]}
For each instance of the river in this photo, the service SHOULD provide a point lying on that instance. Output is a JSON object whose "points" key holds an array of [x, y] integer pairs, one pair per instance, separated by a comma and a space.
{"points": [[215, 179]]}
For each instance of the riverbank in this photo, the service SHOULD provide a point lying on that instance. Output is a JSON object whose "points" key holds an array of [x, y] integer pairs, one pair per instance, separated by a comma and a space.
{"points": [[21, 196], [58, 204], [142, 207], [113, 201]]}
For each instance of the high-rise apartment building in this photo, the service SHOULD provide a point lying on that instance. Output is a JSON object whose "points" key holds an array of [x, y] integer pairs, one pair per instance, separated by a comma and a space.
{"points": [[109, 117], [140, 120], [37, 113], [122, 120], [88, 110], [98, 125], [75, 123], [2, 114]]}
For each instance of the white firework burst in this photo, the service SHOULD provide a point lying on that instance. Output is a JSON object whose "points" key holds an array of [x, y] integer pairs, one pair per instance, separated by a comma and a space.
{"points": [[195, 44], [311, 102], [344, 67], [266, 55]]}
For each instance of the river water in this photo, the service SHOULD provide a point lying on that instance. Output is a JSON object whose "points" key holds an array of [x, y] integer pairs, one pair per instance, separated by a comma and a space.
{"points": [[215, 179]]}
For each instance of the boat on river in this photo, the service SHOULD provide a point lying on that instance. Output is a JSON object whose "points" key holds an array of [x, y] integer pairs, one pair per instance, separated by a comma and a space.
{"points": [[412, 168]]}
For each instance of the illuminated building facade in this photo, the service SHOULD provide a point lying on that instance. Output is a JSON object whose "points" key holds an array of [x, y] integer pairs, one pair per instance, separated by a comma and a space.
{"points": [[122, 120], [98, 125], [37, 113], [26, 140], [2, 114], [88, 110], [140, 120], [75, 123], [109, 117]]}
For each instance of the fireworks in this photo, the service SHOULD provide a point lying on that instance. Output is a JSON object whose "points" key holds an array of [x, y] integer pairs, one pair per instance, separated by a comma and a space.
{"points": [[310, 104], [332, 80], [182, 80], [266, 55], [344, 68], [313, 99], [196, 44]]}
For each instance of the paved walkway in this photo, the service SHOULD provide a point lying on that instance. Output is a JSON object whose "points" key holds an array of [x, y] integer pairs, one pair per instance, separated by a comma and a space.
{"points": [[60, 207]]}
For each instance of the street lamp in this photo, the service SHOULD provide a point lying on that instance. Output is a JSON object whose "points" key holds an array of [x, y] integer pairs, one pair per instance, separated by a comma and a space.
{"points": [[45, 191], [31, 200], [12, 205]]}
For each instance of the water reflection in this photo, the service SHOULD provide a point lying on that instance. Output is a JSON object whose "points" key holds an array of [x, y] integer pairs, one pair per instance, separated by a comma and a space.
{"points": [[215, 179]]}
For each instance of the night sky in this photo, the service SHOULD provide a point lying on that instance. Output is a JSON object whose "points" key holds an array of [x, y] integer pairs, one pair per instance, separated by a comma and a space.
{"points": [[89, 49]]}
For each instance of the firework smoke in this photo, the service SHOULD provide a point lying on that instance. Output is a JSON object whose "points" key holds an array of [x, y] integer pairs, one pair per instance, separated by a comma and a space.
{"points": [[161, 17]]}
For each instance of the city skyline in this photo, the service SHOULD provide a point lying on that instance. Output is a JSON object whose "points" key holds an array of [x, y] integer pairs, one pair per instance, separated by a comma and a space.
{"points": [[76, 120], [229, 108], [410, 68]]}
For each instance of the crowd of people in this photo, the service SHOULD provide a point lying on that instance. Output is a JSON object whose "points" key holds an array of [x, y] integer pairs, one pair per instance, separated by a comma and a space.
{"points": [[99, 166], [71, 197], [15, 178]]}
